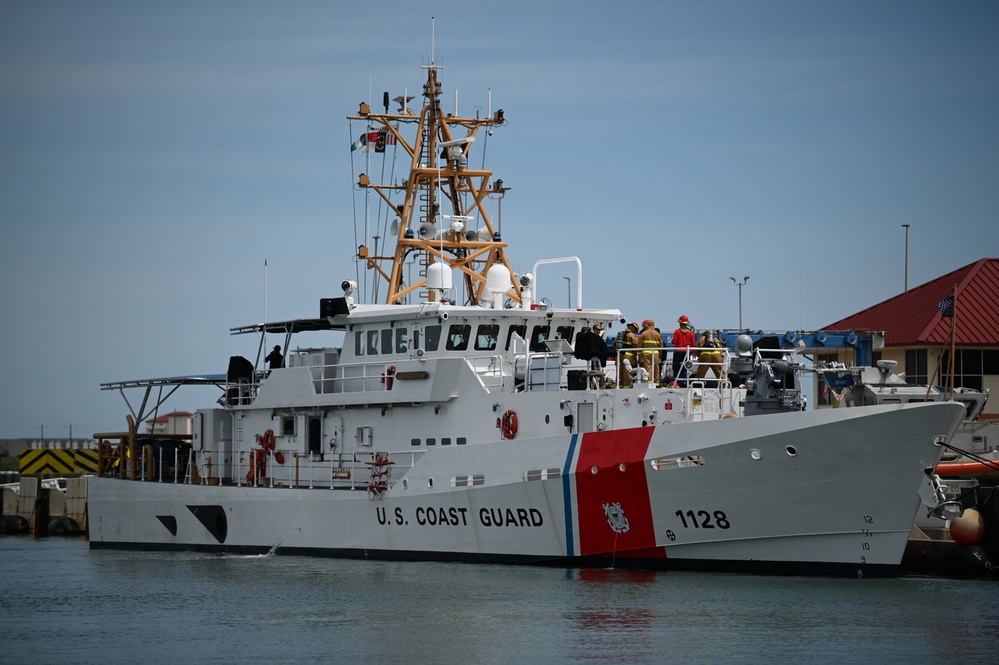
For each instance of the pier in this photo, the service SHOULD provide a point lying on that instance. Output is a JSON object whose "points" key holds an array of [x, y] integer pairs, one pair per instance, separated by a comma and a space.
{"points": [[44, 506]]}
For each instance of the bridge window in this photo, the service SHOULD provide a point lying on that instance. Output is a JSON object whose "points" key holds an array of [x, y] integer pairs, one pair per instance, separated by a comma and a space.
{"points": [[486, 336], [564, 332], [433, 335], [519, 330], [538, 337], [401, 340], [387, 341], [457, 336], [358, 343], [372, 342]]}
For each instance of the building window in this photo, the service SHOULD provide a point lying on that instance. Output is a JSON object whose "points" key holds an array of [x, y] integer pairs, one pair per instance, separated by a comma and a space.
{"points": [[969, 367], [916, 367], [990, 363]]}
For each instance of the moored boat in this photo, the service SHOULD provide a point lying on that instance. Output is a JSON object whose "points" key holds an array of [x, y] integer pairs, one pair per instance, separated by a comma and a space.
{"points": [[465, 423]]}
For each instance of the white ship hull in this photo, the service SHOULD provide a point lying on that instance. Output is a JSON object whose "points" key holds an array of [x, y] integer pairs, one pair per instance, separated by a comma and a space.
{"points": [[813, 501], [475, 421]]}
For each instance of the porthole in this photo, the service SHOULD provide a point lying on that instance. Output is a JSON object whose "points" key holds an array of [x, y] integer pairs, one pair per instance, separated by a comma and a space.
{"points": [[593, 469], [755, 454], [430, 482], [622, 466], [792, 451], [548, 419], [405, 483]]}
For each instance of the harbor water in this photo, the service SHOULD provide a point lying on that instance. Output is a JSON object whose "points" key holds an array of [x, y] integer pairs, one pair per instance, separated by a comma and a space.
{"points": [[64, 603]]}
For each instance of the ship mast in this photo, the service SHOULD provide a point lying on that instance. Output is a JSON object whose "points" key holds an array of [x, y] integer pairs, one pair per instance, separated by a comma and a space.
{"points": [[443, 217]]}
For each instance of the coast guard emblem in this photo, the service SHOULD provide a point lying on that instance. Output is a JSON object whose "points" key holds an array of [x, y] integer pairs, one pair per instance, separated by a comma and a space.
{"points": [[615, 517]]}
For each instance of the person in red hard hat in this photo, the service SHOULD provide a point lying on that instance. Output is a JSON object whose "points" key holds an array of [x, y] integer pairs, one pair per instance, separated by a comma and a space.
{"points": [[630, 342], [651, 341], [682, 340]]}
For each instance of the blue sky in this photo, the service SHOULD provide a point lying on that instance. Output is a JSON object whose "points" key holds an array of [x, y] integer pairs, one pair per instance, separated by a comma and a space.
{"points": [[154, 154]]}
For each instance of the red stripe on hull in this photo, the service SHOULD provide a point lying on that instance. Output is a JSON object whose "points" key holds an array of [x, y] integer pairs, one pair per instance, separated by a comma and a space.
{"points": [[613, 507]]}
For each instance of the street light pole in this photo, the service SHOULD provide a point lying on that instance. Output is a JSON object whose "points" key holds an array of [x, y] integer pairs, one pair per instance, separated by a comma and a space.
{"points": [[740, 285], [906, 226]]}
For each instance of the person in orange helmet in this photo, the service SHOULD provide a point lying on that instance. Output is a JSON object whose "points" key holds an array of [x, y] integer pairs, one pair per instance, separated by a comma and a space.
{"points": [[682, 340]]}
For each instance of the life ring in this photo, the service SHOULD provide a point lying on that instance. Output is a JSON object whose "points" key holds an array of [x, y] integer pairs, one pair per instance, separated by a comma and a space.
{"points": [[266, 440], [509, 425], [388, 377]]}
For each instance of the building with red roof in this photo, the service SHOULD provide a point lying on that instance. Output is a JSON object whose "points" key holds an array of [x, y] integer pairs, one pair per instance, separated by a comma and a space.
{"points": [[918, 323]]}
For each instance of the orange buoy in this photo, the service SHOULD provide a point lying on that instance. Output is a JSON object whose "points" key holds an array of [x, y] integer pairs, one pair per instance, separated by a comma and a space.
{"points": [[969, 528], [509, 425], [967, 468]]}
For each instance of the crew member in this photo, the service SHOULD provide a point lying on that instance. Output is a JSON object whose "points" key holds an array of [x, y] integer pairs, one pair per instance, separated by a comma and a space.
{"points": [[682, 340], [590, 345], [651, 341], [275, 358], [711, 356], [627, 354]]}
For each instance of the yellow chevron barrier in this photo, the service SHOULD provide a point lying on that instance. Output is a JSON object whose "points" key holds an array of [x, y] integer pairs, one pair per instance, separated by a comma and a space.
{"points": [[58, 462], [86, 461]]}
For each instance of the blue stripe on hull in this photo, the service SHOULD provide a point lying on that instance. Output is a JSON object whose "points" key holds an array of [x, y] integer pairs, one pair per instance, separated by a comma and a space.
{"points": [[567, 496]]}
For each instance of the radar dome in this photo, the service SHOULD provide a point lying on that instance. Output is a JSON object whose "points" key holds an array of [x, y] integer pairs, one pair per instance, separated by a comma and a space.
{"points": [[439, 276]]}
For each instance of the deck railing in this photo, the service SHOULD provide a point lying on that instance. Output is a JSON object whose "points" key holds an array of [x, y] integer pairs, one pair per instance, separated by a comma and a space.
{"points": [[184, 465]]}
